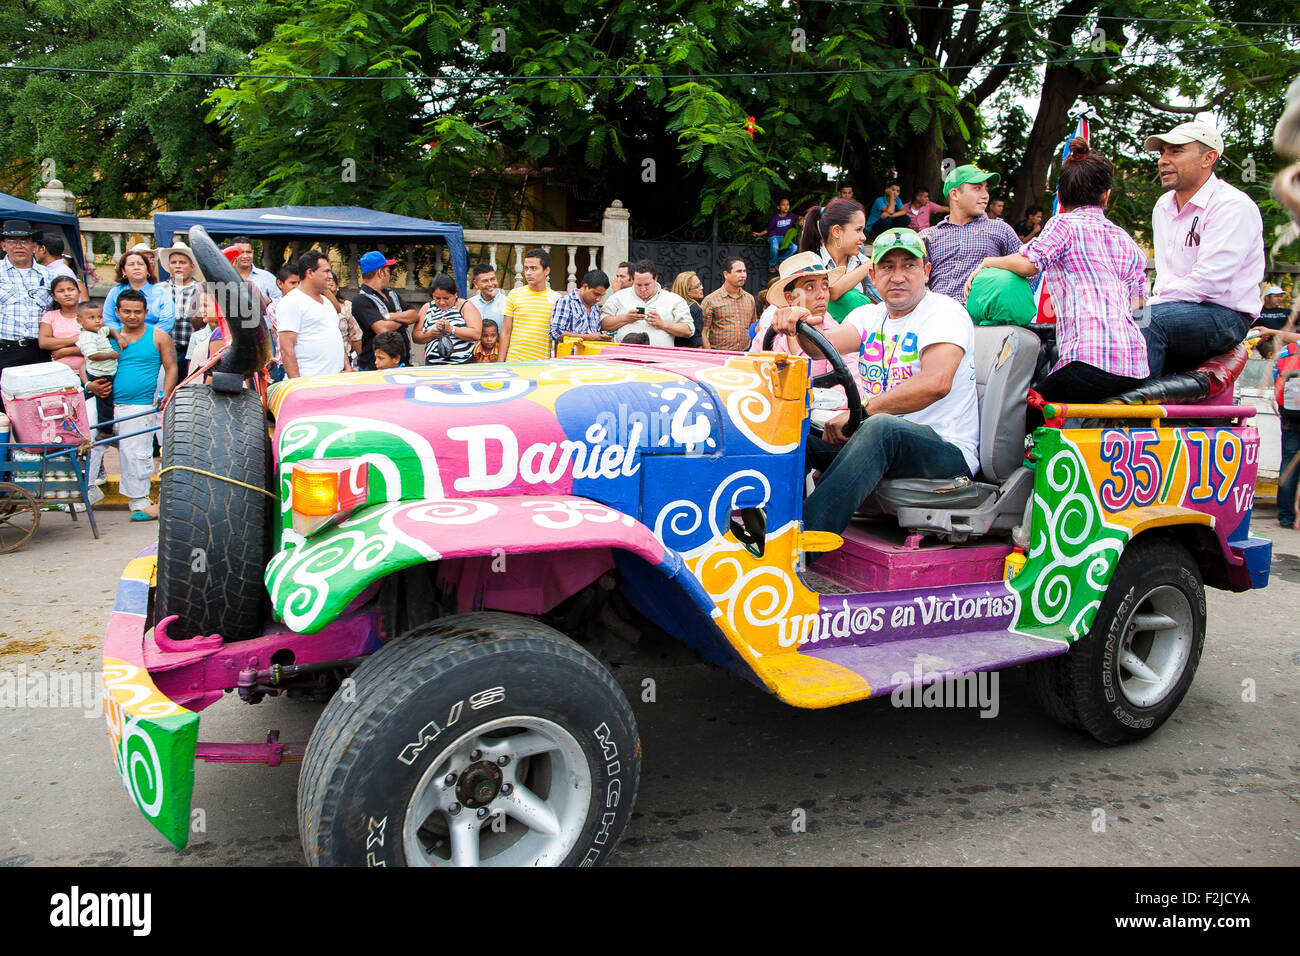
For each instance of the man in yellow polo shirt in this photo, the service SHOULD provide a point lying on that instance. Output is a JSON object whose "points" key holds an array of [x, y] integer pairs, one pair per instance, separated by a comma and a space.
{"points": [[526, 321]]}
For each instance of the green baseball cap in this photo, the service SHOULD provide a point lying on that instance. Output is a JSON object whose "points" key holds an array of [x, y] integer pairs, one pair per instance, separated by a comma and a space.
{"points": [[900, 238], [968, 174]]}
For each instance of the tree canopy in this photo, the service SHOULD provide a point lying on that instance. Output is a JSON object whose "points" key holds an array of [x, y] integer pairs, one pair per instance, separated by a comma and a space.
{"points": [[121, 141], [681, 109]]}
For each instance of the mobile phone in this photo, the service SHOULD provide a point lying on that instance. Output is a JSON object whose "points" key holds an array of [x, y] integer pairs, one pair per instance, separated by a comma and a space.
{"points": [[641, 309]]}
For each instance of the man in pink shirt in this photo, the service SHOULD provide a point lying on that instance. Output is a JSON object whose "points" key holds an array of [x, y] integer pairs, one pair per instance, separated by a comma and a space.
{"points": [[1209, 249], [920, 209]]}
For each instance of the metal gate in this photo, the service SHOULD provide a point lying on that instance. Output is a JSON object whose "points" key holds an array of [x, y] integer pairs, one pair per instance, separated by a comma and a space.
{"points": [[701, 251]]}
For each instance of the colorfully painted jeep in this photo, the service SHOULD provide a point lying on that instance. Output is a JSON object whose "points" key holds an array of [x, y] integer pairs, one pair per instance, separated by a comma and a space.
{"points": [[410, 540]]}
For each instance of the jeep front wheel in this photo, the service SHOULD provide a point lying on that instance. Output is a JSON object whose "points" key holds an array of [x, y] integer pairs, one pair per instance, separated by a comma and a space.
{"points": [[1126, 677], [478, 739]]}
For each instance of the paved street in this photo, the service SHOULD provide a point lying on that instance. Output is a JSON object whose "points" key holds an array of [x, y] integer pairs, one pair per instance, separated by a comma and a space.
{"points": [[727, 770]]}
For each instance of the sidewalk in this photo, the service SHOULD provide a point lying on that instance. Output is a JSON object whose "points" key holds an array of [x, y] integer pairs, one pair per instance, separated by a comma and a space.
{"points": [[112, 497]]}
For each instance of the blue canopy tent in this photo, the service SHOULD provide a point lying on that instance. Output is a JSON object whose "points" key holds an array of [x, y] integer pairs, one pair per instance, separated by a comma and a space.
{"points": [[353, 223], [46, 220]]}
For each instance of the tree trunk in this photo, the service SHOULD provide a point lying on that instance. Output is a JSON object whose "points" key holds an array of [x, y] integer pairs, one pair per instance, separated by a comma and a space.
{"points": [[920, 165], [1062, 85]]}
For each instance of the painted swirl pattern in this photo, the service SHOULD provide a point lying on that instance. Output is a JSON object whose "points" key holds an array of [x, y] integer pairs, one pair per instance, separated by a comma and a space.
{"points": [[1073, 550]]}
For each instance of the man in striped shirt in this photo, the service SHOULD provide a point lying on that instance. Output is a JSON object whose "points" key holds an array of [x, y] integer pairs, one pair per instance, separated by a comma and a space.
{"points": [[729, 311], [526, 321], [578, 313], [966, 236]]}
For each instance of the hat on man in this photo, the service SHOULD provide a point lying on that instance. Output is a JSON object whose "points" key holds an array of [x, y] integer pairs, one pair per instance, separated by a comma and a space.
{"points": [[180, 249], [143, 249], [18, 229], [373, 261], [898, 238], [1193, 132], [968, 174], [1274, 290], [799, 266]]}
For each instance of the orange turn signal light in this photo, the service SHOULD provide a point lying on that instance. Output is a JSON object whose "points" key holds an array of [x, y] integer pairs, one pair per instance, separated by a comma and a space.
{"points": [[326, 488]]}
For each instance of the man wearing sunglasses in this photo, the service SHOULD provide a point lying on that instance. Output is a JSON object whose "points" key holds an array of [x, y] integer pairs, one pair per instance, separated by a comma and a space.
{"points": [[916, 361], [1209, 250]]}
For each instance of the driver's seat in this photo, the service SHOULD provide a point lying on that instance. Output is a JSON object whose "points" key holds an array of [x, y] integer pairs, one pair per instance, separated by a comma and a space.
{"points": [[958, 508]]}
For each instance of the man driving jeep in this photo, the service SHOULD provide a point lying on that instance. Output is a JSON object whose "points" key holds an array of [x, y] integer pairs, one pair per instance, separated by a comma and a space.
{"points": [[916, 361]]}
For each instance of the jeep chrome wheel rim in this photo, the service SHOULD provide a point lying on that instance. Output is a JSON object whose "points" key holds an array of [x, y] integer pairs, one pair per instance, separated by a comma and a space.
{"points": [[513, 792], [1156, 647]]}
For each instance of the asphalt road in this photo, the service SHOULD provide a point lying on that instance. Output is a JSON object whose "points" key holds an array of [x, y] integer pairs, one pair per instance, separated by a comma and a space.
{"points": [[729, 774]]}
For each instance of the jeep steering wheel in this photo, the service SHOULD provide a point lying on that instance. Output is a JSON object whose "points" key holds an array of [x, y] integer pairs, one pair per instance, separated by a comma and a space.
{"points": [[838, 375]]}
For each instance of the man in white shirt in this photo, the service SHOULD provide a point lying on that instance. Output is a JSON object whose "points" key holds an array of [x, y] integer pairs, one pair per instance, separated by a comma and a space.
{"points": [[310, 341], [1209, 250], [916, 361], [488, 299], [647, 307]]}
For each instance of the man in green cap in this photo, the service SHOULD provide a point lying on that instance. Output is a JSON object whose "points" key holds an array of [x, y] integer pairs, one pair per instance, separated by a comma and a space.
{"points": [[916, 360], [966, 236]]}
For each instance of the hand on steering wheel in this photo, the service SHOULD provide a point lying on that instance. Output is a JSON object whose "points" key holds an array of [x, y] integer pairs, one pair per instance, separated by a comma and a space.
{"points": [[838, 375]]}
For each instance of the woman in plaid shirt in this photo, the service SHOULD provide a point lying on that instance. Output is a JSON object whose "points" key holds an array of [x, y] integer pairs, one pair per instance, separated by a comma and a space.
{"points": [[1095, 271]]}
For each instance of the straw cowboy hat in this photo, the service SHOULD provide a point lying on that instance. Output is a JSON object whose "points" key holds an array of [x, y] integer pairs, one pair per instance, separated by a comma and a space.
{"points": [[799, 266]]}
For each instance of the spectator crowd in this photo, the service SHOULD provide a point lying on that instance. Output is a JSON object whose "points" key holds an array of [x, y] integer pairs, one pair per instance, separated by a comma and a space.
{"points": [[849, 270]]}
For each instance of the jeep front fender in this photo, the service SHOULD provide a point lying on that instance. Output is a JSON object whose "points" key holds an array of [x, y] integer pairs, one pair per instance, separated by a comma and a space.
{"points": [[311, 582]]}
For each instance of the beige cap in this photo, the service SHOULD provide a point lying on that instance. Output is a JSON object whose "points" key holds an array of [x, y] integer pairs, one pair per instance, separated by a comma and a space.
{"points": [[1193, 132]]}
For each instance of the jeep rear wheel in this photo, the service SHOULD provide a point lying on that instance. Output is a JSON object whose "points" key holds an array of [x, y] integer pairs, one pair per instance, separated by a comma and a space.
{"points": [[478, 739], [1127, 676]]}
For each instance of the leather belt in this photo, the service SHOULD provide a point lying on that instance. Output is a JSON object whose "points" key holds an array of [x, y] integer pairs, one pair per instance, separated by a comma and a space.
{"points": [[18, 343]]}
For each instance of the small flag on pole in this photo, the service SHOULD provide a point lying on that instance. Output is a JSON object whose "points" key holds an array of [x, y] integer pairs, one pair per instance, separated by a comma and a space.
{"points": [[1082, 128]]}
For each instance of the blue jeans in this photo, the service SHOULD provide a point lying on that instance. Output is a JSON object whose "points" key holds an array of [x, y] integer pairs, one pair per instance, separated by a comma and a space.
{"points": [[1286, 490], [773, 249], [883, 447], [1181, 335]]}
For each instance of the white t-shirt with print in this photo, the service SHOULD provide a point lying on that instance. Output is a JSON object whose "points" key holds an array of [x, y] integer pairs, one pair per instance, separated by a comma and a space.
{"points": [[890, 354], [319, 348]]}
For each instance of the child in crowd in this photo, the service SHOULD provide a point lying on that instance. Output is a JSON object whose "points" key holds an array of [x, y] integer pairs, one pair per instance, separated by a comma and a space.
{"points": [[98, 346], [391, 351], [349, 328], [489, 343], [59, 326], [286, 280], [782, 221], [200, 347]]}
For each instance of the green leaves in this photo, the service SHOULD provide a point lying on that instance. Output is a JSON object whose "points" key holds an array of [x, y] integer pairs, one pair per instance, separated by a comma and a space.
{"points": [[445, 127]]}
